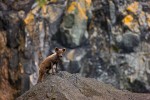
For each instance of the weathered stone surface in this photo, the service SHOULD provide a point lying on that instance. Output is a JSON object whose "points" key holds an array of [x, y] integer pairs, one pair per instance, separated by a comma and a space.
{"points": [[16, 5], [11, 22], [11, 38], [65, 86], [109, 39], [6, 91], [128, 41], [14, 60], [3, 41], [73, 28], [72, 60]]}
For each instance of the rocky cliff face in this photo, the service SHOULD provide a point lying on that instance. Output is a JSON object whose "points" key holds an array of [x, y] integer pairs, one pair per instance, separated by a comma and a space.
{"points": [[119, 44], [65, 86], [105, 39]]}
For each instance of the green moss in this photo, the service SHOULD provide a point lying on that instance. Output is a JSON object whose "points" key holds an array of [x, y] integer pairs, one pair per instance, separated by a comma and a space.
{"points": [[41, 2]]}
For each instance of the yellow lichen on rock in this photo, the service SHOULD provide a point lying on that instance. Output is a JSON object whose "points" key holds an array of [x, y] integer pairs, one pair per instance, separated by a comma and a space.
{"points": [[133, 7], [29, 18], [131, 23], [44, 9], [82, 12], [128, 20], [81, 7], [72, 7], [88, 3]]}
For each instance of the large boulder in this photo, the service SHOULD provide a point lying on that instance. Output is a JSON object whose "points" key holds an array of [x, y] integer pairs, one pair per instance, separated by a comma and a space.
{"points": [[127, 42], [73, 30], [65, 86]]}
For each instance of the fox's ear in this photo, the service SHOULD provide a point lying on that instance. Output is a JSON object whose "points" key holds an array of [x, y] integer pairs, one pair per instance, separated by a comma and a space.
{"points": [[64, 49], [56, 49]]}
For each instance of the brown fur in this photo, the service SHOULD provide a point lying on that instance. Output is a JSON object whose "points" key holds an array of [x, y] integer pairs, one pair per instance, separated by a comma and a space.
{"points": [[49, 62]]}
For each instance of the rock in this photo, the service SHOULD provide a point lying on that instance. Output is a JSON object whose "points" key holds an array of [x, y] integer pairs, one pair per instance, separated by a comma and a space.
{"points": [[73, 28], [73, 60], [14, 61], [12, 40], [7, 92], [148, 19], [134, 7], [128, 41], [3, 41], [112, 12], [13, 27], [74, 67], [3, 6], [131, 23], [142, 19], [108, 41], [65, 86], [17, 5], [123, 70], [145, 6], [25, 86], [69, 21], [135, 72]]}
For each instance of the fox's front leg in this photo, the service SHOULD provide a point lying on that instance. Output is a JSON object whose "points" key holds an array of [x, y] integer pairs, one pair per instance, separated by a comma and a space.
{"points": [[56, 67], [52, 68]]}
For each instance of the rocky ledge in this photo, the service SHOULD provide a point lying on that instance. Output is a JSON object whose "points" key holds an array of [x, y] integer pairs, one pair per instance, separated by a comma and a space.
{"points": [[65, 86]]}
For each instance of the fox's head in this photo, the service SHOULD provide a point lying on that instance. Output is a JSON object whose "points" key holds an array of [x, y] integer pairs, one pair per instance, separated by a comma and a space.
{"points": [[59, 52]]}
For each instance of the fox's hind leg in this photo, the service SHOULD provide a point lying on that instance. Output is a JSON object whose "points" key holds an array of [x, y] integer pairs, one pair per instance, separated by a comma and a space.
{"points": [[41, 74]]}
